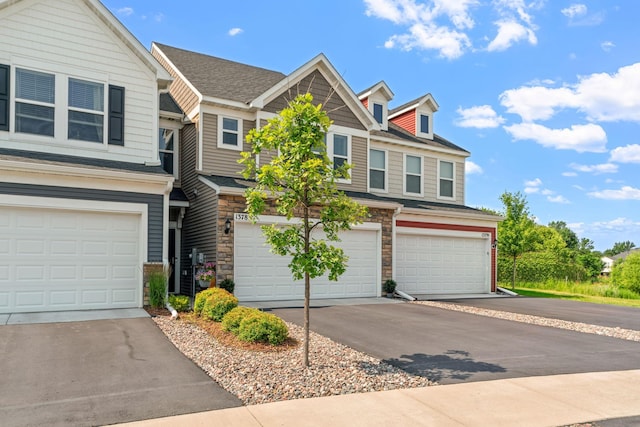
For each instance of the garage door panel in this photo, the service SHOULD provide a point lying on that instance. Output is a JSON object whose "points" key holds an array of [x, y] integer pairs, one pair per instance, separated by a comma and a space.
{"points": [[262, 275], [59, 259], [441, 264]]}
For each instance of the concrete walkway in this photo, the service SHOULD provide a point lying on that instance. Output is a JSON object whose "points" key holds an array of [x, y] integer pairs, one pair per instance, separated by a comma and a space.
{"points": [[534, 401]]}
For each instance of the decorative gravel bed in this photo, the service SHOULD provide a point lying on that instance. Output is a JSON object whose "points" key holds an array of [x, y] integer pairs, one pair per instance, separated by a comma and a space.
{"points": [[262, 377], [624, 334]]}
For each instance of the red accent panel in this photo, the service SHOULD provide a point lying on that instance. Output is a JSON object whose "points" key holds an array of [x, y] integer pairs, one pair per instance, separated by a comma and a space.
{"points": [[365, 102], [406, 121], [457, 227]]}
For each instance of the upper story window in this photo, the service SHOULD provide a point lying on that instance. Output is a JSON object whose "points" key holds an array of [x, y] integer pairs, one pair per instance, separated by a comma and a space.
{"points": [[424, 123], [377, 112], [230, 133], [168, 145], [378, 170], [413, 175], [446, 173], [61, 107], [340, 150], [86, 111], [35, 102]]}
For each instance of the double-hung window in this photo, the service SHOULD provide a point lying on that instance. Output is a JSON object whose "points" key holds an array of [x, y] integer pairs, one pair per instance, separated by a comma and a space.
{"points": [[86, 111], [340, 150], [167, 148], [35, 102], [229, 133], [446, 181], [378, 170], [413, 175]]}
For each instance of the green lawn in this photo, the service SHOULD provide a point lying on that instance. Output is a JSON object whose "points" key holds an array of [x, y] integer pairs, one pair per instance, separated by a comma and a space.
{"points": [[549, 293]]}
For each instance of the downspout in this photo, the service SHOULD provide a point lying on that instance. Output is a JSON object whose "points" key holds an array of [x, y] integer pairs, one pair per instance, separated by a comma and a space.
{"points": [[393, 241]]}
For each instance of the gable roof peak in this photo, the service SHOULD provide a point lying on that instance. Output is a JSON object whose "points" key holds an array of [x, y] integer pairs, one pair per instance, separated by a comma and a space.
{"points": [[415, 104], [381, 86]]}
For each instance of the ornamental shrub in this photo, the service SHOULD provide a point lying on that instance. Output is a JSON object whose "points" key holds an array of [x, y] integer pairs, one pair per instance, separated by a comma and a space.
{"points": [[157, 289], [217, 304], [201, 298], [231, 320], [227, 285], [629, 273], [179, 302], [263, 327]]}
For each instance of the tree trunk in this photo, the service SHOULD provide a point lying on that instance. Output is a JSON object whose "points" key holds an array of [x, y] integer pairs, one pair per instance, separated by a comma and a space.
{"points": [[513, 277], [307, 292]]}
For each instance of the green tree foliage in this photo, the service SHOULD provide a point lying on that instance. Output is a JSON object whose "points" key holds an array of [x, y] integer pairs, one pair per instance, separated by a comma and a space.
{"points": [[620, 247], [517, 232], [626, 273], [568, 235], [301, 179]]}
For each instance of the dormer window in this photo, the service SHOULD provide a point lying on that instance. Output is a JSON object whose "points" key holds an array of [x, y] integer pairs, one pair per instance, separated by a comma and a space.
{"points": [[377, 112], [424, 123]]}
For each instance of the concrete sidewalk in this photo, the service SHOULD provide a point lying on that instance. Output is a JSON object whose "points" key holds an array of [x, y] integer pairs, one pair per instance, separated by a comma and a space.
{"points": [[534, 401]]}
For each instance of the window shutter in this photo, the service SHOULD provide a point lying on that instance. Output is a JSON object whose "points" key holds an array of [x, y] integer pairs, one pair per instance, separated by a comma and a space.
{"points": [[4, 97], [116, 115]]}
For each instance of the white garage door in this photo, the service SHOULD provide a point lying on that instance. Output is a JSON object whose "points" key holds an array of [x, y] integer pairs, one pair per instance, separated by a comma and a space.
{"points": [[263, 276], [441, 264], [53, 259]]}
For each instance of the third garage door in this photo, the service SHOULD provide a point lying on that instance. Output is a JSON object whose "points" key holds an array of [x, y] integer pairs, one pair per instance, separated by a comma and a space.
{"points": [[427, 264]]}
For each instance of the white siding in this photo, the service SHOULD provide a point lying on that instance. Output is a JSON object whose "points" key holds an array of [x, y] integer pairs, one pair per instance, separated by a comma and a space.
{"points": [[65, 36]]}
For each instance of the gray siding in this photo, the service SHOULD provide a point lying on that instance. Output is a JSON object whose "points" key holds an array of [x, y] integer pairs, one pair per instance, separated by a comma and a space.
{"points": [[321, 89], [360, 168], [221, 161], [179, 90], [153, 201]]}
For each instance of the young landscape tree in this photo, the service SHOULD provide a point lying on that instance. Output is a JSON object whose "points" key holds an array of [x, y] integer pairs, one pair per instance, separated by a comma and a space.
{"points": [[300, 180], [620, 247], [517, 232]]}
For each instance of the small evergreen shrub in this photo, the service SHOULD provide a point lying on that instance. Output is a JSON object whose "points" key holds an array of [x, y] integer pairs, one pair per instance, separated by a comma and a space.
{"points": [[201, 298], [263, 327], [217, 304], [227, 285], [157, 289], [389, 286], [179, 302], [231, 320]]}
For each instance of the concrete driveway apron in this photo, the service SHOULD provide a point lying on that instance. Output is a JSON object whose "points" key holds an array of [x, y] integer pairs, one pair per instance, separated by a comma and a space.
{"points": [[453, 347], [98, 372]]}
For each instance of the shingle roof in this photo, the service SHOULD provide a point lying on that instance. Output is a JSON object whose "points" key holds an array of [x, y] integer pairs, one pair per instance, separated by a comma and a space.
{"points": [[168, 104], [397, 132], [225, 181], [405, 105], [221, 78], [33, 157]]}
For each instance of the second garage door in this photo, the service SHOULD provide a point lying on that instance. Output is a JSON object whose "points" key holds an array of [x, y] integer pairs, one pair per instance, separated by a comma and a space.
{"points": [[61, 259], [262, 276], [427, 264]]}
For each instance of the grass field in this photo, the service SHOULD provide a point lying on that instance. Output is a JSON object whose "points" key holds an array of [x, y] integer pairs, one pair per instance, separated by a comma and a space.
{"points": [[601, 292]]}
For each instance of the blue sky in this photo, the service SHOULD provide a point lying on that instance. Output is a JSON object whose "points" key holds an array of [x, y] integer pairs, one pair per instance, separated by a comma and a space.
{"points": [[544, 94]]}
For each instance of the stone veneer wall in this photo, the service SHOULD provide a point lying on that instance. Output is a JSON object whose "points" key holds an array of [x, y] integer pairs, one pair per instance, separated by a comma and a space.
{"points": [[229, 205], [147, 269]]}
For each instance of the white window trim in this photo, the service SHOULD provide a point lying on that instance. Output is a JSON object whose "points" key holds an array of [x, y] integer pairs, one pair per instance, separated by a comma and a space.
{"points": [[240, 133], [176, 145], [61, 108], [419, 132], [386, 172], [329, 143], [453, 181], [404, 176]]}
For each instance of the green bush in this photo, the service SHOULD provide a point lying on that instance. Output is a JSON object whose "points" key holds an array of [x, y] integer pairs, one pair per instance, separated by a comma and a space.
{"points": [[157, 289], [201, 298], [218, 303], [227, 285], [629, 274], [231, 320], [179, 302], [389, 286], [263, 327]]}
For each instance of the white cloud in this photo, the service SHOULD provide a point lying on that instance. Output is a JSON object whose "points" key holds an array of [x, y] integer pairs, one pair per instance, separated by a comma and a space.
{"points": [[558, 199], [235, 31], [607, 46], [569, 174], [481, 117], [627, 154], [574, 10], [471, 168], [158, 17], [601, 97], [510, 32], [449, 43], [595, 169], [547, 192], [533, 186], [626, 192], [125, 11], [618, 224], [581, 138]]}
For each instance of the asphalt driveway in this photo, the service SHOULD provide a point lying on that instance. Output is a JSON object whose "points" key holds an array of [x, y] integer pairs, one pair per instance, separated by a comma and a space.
{"points": [[453, 347], [98, 372]]}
